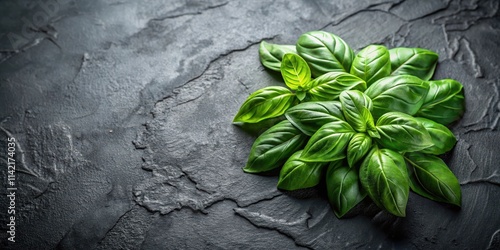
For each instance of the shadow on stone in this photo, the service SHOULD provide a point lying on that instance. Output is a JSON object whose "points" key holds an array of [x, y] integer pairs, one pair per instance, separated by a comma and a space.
{"points": [[304, 193]]}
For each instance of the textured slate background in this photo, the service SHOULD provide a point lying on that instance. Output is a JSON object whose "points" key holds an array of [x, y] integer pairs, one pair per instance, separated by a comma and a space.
{"points": [[122, 111]]}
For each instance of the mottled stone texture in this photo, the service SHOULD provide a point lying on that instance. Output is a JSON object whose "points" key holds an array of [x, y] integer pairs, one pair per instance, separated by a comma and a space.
{"points": [[122, 112]]}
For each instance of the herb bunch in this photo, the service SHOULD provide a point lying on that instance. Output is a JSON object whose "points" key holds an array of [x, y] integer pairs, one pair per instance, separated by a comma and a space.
{"points": [[371, 124]]}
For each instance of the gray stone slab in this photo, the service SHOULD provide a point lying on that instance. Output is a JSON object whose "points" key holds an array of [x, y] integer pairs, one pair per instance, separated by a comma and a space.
{"points": [[122, 115]]}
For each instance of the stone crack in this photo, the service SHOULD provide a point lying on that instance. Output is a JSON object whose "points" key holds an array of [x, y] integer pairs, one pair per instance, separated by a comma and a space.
{"points": [[281, 226], [192, 13]]}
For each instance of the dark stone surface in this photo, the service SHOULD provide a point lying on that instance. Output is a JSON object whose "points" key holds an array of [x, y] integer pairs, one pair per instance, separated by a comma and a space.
{"points": [[122, 114]]}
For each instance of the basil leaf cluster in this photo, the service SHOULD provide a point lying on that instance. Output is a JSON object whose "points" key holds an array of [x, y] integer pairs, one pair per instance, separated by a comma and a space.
{"points": [[370, 124]]}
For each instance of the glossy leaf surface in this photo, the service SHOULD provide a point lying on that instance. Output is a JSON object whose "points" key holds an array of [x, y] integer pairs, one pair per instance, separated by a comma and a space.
{"points": [[329, 86], [372, 63], [442, 138], [444, 103], [402, 133], [397, 93], [384, 176], [343, 187], [431, 178], [328, 143], [413, 61], [310, 116], [325, 52], [295, 71], [265, 103], [298, 174], [272, 54], [359, 145], [356, 107], [273, 147]]}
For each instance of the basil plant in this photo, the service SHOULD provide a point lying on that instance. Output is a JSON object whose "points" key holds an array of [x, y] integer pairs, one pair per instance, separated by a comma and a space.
{"points": [[371, 123]]}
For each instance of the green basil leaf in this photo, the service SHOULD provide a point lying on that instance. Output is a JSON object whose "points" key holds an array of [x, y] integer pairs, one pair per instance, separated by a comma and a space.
{"points": [[272, 54], [310, 116], [328, 143], [384, 176], [442, 138], [397, 93], [402, 133], [444, 103], [325, 52], [372, 63], [431, 178], [298, 174], [413, 61], [256, 129], [356, 107], [359, 145], [301, 95], [265, 103], [295, 71], [373, 133], [343, 188], [329, 86], [273, 147]]}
